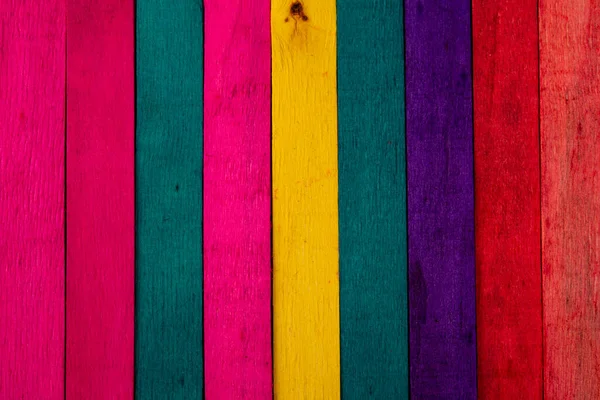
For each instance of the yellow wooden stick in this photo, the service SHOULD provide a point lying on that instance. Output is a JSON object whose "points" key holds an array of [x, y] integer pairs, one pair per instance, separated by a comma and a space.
{"points": [[305, 194]]}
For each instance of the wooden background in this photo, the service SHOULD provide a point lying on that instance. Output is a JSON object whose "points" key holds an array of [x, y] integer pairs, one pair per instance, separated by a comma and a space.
{"points": [[299, 199]]}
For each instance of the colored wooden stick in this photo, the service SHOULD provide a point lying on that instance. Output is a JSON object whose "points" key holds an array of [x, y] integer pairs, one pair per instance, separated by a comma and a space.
{"points": [[372, 200], [507, 199], [237, 200], [569, 110], [100, 189], [305, 195], [169, 52], [32, 81], [440, 199]]}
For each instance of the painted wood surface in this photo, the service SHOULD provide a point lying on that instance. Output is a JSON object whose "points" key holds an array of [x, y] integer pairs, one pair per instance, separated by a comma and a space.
{"points": [[305, 195], [237, 200], [569, 112], [100, 199], [507, 199], [169, 70], [372, 200], [32, 82], [439, 136]]}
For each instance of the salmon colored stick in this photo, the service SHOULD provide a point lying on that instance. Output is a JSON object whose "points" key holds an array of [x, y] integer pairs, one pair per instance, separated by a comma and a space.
{"points": [[570, 139], [32, 80], [100, 187], [237, 200], [507, 199]]}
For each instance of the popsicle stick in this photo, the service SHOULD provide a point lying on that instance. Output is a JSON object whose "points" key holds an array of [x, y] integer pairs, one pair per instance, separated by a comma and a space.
{"points": [[32, 131], [169, 70], [439, 136], [305, 195], [507, 199], [372, 200], [100, 196], [569, 110], [237, 200]]}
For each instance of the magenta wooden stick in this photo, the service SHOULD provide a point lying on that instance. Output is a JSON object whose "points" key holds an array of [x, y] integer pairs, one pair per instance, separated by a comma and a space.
{"points": [[237, 200], [32, 70]]}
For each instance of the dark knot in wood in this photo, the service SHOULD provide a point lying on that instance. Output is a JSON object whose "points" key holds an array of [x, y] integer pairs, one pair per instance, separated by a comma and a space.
{"points": [[297, 11]]}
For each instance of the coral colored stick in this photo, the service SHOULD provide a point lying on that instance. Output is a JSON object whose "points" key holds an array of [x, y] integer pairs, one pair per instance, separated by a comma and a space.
{"points": [[507, 199], [32, 79], [570, 139], [237, 200], [100, 187]]}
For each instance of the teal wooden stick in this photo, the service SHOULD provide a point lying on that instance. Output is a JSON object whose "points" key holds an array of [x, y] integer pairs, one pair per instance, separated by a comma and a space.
{"points": [[169, 75], [372, 200]]}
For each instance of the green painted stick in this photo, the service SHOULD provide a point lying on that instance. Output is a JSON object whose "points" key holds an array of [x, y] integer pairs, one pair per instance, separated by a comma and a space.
{"points": [[168, 342], [372, 200]]}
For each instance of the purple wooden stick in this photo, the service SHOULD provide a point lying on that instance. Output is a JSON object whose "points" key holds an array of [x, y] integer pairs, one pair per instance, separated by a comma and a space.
{"points": [[439, 138]]}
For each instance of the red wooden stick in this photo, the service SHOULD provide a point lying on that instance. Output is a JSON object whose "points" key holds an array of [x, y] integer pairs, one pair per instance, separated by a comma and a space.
{"points": [[507, 199], [100, 199]]}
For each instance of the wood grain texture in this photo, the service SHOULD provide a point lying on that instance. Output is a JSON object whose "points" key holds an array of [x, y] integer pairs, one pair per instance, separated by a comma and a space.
{"points": [[237, 200], [569, 112], [372, 200], [169, 70], [305, 195], [32, 95], [441, 258], [507, 199], [100, 199]]}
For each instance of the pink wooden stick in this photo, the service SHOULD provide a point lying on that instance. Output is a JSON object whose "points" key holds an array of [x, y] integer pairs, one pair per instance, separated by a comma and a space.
{"points": [[100, 199], [237, 203], [32, 54]]}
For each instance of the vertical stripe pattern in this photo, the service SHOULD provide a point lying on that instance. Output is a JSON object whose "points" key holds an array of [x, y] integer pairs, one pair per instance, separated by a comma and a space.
{"points": [[317, 199]]}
